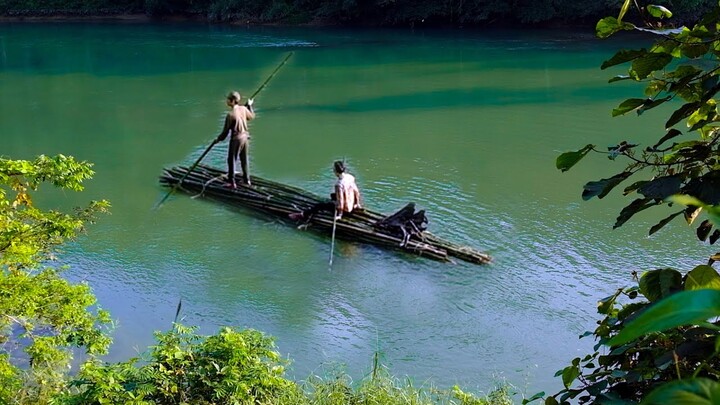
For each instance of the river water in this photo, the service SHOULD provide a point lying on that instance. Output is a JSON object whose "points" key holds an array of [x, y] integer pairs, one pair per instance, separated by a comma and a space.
{"points": [[467, 124]]}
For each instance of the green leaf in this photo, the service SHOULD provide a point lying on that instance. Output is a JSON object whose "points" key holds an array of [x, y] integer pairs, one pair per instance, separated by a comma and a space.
{"points": [[681, 113], [664, 222], [623, 56], [536, 396], [713, 211], [605, 305], [568, 159], [660, 283], [633, 208], [703, 230], [661, 187], [569, 374], [686, 200], [551, 401], [650, 104], [602, 187], [694, 51], [649, 63], [658, 11], [610, 25], [671, 133], [623, 10], [683, 308], [629, 189], [694, 391], [628, 105], [702, 276]]}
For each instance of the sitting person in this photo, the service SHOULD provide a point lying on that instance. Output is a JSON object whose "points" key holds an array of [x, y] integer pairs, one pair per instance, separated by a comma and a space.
{"points": [[345, 199]]}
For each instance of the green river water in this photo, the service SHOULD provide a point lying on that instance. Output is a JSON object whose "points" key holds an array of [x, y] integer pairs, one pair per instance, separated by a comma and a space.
{"points": [[466, 124]]}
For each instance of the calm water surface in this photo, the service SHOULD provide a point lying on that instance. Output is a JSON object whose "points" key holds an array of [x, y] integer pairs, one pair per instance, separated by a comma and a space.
{"points": [[465, 124]]}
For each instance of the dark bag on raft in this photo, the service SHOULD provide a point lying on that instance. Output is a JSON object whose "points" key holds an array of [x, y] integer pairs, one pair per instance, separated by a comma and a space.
{"points": [[404, 224]]}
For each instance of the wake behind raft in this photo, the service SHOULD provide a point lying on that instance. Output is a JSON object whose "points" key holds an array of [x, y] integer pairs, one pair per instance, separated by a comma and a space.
{"points": [[403, 230]]}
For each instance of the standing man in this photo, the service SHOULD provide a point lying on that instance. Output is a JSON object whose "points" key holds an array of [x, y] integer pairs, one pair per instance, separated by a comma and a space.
{"points": [[236, 124]]}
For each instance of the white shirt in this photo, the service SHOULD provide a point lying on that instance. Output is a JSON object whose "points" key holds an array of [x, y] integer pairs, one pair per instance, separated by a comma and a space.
{"points": [[347, 193]]}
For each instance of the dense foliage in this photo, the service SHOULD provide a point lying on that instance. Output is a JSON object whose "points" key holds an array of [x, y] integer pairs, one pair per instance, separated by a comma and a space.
{"points": [[659, 342], [367, 12], [242, 367], [42, 316]]}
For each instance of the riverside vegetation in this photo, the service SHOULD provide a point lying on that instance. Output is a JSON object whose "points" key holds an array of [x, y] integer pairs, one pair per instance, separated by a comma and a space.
{"points": [[349, 12], [659, 341]]}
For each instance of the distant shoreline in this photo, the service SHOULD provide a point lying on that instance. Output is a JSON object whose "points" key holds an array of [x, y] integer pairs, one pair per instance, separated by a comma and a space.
{"points": [[79, 16]]}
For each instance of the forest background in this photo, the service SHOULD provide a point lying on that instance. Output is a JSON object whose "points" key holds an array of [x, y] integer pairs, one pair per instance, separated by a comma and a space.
{"points": [[415, 13]]}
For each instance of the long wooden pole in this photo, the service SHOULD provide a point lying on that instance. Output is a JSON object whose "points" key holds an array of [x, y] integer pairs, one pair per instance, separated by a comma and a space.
{"points": [[332, 240], [197, 162], [214, 142]]}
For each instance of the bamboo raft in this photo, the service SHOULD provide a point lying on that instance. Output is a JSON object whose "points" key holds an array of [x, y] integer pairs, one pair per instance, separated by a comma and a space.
{"points": [[279, 200]]}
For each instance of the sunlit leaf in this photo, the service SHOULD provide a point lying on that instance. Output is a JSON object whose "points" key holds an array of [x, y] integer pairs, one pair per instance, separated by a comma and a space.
{"points": [[568, 159], [658, 11], [610, 25], [694, 391], [691, 214], [702, 276], [660, 283], [683, 308], [602, 187], [623, 10], [605, 305], [670, 47], [569, 374]]}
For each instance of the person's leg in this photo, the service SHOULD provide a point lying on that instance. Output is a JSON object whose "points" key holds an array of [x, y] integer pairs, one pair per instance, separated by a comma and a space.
{"points": [[244, 150], [307, 214], [233, 150]]}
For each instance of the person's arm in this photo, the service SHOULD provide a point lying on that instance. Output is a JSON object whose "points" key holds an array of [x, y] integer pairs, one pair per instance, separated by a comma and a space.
{"points": [[339, 200], [356, 191], [225, 130], [251, 110]]}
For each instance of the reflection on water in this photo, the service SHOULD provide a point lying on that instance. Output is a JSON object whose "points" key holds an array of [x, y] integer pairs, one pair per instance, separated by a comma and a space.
{"points": [[465, 124]]}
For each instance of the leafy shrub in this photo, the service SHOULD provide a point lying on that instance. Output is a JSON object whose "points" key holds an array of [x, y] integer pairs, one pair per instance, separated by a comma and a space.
{"points": [[227, 368], [42, 316], [662, 348]]}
